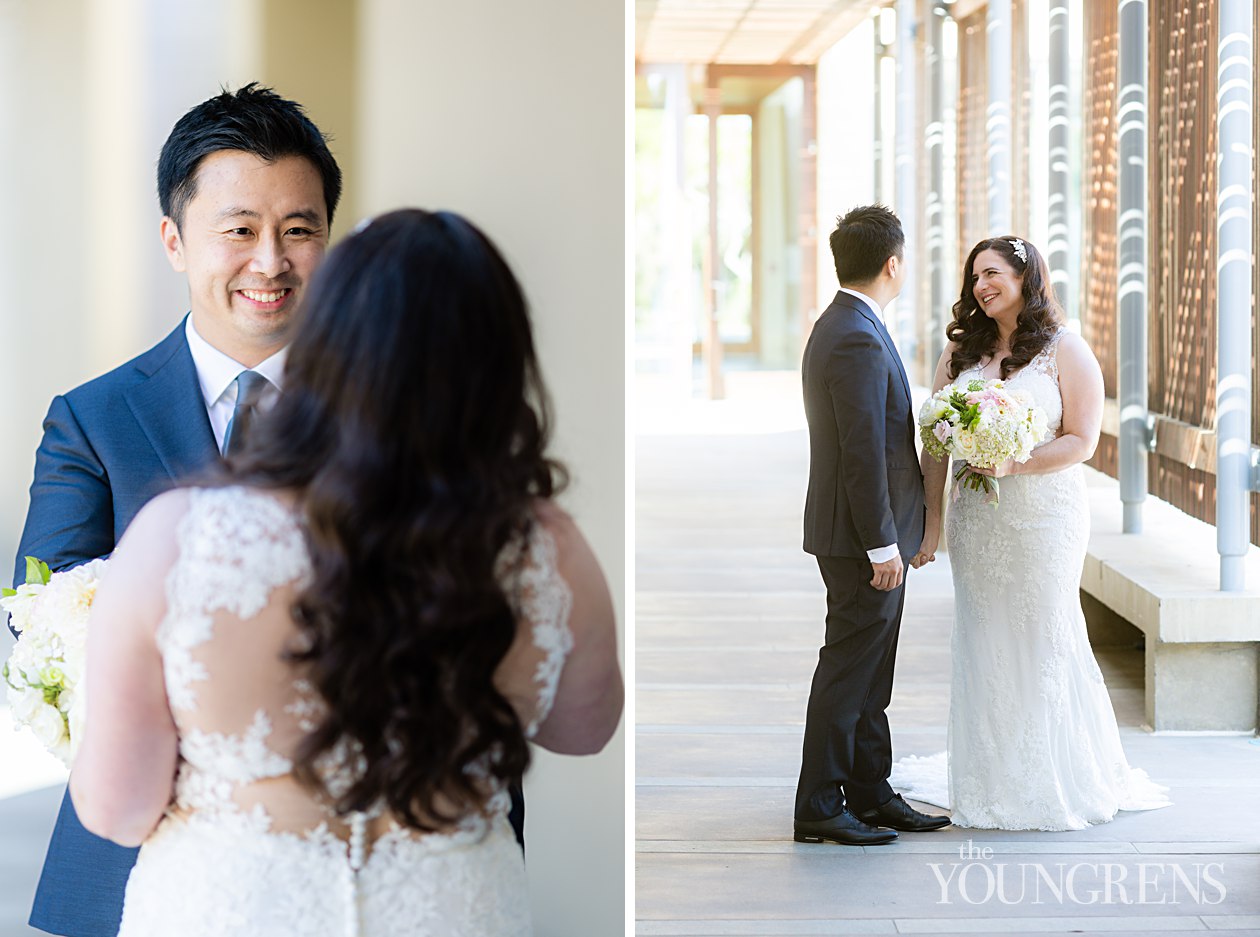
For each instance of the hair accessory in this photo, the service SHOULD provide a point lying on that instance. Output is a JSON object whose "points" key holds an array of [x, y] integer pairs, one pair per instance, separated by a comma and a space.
{"points": [[1020, 251]]}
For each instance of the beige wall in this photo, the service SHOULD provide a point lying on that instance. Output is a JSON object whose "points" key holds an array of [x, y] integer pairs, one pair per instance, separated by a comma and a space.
{"points": [[509, 113]]}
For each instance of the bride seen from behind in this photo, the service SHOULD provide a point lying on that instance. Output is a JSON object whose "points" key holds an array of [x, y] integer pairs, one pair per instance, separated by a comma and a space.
{"points": [[311, 681], [1032, 739]]}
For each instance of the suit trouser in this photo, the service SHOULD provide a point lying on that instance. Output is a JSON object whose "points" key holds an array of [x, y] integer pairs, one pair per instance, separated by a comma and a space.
{"points": [[847, 754]]}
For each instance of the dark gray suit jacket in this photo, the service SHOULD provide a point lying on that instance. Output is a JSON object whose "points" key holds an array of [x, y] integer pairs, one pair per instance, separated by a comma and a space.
{"points": [[865, 487]]}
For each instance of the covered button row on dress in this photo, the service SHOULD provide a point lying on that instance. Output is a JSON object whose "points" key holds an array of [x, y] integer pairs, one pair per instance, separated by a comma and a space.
{"points": [[358, 839]]}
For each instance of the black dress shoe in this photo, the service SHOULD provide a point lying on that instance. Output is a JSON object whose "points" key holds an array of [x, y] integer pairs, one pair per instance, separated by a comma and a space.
{"points": [[844, 828], [899, 815]]}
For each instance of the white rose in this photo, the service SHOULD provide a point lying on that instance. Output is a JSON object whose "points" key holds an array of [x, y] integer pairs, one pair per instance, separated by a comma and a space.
{"points": [[49, 726], [21, 605], [25, 702], [67, 599], [965, 446], [932, 411]]}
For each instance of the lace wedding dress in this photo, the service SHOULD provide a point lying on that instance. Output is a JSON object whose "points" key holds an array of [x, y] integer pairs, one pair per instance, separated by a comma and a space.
{"points": [[244, 849], [1032, 739]]}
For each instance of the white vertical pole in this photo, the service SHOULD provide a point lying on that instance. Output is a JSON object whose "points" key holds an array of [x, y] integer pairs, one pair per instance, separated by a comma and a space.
{"points": [[877, 150], [998, 35], [1132, 115], [935, 143], [906, 188], [1234, 218], [1057, 215]]}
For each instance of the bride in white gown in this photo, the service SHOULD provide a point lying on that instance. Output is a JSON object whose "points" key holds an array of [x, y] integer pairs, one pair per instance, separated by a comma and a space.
{"points": [[1032, 741], [311, 682]]}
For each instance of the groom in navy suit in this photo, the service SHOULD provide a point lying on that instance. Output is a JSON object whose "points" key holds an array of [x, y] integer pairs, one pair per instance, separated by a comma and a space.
{"points": [[248, 188], [863, 522]]}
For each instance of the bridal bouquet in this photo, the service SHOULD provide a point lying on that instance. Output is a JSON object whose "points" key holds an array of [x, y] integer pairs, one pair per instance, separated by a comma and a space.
{"points": [[981, 425], [44, 674]]}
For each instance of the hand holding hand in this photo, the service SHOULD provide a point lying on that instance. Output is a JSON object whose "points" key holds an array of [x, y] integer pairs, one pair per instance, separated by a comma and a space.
{"points": [[927, 550], [888, 575]]}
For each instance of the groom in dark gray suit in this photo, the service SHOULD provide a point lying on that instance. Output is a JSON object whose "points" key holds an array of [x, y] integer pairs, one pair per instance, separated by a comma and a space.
{"points": [[863, 522]]}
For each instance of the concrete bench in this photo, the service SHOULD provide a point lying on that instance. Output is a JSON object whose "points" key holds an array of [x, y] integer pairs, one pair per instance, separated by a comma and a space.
{"points": [[1202, 645]]}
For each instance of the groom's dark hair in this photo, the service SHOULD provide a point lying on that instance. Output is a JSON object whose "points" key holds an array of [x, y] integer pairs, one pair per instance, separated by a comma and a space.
{"points": [[863, 241], [252, 119]]}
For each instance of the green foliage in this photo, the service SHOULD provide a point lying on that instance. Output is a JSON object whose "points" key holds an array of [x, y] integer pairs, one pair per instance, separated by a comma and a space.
{"points": [[37, 572]]}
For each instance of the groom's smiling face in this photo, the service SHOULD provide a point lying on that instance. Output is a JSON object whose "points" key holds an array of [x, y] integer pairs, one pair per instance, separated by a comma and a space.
{"points": [[250, 240]]}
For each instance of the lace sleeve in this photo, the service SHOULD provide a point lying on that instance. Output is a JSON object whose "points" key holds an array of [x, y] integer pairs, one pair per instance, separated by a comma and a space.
{"points": [[234, 549], [542, 602], [1050, 356]]}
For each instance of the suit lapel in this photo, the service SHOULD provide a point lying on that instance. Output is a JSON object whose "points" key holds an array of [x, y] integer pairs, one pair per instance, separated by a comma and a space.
{"points": [[170, 409], [875, 320]]}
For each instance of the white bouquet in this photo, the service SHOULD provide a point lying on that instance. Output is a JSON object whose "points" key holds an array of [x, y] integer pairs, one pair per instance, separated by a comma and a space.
{"points": [[44, 674], [982, 425]]}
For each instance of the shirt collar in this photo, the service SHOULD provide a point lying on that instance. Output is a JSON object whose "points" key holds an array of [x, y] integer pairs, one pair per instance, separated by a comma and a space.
{"points": [[216, 371], [879, 313]]}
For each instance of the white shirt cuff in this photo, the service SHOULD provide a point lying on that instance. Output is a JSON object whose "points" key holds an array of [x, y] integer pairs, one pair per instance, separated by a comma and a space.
{"points": [[882, 554]]}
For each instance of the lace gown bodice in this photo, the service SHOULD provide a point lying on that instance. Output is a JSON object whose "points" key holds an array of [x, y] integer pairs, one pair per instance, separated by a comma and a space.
{"points": [[1032, 738], [245, 849]]}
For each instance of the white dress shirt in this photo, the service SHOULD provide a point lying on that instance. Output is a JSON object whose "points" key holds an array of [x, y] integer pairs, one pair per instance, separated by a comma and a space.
{"points": [[879, 554], [217, 372]]}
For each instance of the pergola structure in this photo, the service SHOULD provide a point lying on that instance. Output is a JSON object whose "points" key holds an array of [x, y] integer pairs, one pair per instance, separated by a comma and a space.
{"points": [[1127, 148]]}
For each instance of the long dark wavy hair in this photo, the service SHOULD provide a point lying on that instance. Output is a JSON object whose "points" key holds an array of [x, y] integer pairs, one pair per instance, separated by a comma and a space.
{"points": [[413, 428], [975, 335]]}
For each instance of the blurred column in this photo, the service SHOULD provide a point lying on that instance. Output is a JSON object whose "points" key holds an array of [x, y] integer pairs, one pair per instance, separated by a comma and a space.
{"points": [[877, 136], [14, 475], [309, 52], [807, 214], [121, 196], [711, 338], [45, 238], [1235, 210], [906, 178], [1060, 167], [998, 36], [676, 227], [1132, 261], [934, 25]]}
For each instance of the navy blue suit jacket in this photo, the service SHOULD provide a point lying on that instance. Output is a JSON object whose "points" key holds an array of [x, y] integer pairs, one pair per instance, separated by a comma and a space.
{"points": [[109, 446]]}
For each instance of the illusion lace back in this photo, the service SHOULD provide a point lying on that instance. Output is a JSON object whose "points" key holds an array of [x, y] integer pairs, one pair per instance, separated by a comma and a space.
{"points": [[243, 848], [1032, 740]]}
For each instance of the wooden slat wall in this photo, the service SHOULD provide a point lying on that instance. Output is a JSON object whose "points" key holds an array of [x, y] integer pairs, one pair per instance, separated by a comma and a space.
{"points": [[1181, 224], [1182, 284], [1183, 212], [1098, 253]]}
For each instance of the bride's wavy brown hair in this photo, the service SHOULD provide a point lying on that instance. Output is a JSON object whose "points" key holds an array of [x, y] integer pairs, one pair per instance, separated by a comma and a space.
{"points": [[975, 335], [413, 427]]}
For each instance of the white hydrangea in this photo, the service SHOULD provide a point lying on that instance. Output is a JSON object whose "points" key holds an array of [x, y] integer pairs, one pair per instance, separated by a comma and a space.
{"points": [[45, 671]]}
